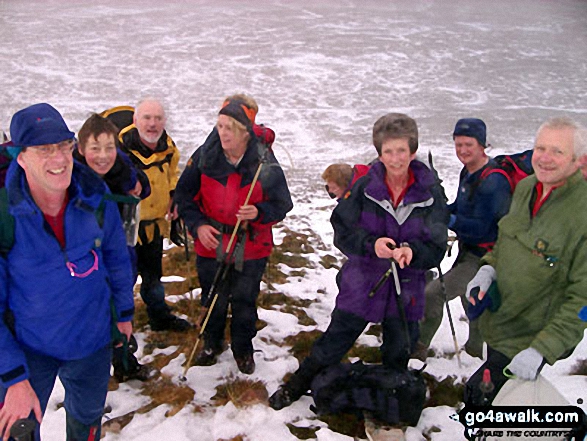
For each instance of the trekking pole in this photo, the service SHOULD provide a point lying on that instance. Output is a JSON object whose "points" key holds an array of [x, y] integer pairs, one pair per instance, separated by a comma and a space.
{"points": [[23, 430], [385, 275], [400, 305], [219, 277], [398, 290], [452, 326], [189, 271]]}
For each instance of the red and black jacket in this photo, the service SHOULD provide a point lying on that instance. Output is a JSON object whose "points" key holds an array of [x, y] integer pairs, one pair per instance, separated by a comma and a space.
{"points": [[211, 190]]}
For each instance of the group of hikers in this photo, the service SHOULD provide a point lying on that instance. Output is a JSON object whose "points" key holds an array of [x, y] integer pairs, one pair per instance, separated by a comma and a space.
{"points": [[76, 234]]}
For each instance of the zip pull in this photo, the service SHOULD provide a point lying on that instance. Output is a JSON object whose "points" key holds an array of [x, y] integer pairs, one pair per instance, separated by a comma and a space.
{"points": [[70, 266]]}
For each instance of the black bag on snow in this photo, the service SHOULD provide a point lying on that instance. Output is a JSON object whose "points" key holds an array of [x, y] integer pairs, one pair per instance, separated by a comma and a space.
{"points": [[390, 396]]}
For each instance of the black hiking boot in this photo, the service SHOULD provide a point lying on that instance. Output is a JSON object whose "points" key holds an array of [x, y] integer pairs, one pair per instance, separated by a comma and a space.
{"points": [[245, 364], [166, 321], [285, 396], [207, 357]]}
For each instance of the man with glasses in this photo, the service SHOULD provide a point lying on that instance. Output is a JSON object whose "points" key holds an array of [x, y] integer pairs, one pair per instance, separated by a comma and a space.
{"points": [[67, 270]]}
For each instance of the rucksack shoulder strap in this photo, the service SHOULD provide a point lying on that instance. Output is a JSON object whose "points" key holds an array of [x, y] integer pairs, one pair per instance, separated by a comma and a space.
{"points": [[6, 224]]}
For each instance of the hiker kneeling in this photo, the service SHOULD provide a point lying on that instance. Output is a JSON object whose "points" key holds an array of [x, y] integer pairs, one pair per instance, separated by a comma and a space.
{"points": [[534, 282], [396, 211]]}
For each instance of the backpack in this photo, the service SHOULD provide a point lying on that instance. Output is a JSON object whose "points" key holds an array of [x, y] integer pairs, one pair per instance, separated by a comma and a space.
{"points": [[121, 116], [389, 395], [6, 220], [514, 167]]}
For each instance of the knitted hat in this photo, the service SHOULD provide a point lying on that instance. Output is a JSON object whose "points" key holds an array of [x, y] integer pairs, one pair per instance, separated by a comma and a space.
{"points": [[472, 127], [239, 111]]}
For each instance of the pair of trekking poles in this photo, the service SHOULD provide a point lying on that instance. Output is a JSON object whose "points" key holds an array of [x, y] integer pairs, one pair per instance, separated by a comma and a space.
{"points": [[227, 261], [400, 306]]}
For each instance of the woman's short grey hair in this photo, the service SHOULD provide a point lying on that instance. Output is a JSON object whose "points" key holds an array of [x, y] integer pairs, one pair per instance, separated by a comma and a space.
{"points": [[395, 126]]}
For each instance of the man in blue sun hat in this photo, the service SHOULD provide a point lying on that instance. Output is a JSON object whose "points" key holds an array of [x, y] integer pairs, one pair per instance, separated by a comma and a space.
{"points": [[66, 269], [480, 203]]}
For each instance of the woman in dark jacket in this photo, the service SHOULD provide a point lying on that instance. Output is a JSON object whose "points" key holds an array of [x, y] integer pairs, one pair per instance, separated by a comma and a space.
{"points": [[211, 195], [397, 211], [98, 149]]}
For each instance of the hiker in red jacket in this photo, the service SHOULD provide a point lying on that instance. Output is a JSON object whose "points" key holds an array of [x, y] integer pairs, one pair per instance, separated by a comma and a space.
{"points": [[211, 195]]}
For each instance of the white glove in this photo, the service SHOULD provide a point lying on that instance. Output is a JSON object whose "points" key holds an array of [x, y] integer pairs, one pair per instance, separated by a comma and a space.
{"points": [[526, 364], [482, 280]]}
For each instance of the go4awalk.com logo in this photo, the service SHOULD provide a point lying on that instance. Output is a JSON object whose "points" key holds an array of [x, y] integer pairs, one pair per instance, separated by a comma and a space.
{"points": [[523, 422]]}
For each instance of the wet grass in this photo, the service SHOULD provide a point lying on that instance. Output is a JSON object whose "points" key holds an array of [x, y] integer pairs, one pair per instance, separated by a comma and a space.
{"points": [[241, 392], [447, 392]]}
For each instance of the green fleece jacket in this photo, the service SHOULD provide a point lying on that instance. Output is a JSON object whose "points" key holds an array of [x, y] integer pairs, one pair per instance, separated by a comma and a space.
{"points": [[541, 266]]}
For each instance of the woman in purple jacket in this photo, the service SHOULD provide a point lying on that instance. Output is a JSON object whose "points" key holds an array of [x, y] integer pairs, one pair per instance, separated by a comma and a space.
{"points": [[397, 211]]}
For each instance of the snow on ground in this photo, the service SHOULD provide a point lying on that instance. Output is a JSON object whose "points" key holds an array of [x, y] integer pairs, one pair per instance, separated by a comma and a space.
{"points": [[323, 72]]}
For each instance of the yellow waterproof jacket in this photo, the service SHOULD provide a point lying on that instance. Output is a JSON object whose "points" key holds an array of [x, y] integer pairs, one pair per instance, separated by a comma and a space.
{"points": [[160, 166]]}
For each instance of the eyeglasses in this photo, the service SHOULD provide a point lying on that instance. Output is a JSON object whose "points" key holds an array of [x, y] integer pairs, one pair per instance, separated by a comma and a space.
{"points": [[46, 151]]}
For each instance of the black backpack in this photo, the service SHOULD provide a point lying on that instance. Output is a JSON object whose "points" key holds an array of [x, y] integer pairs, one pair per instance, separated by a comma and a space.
{"points": [[390, 396]]}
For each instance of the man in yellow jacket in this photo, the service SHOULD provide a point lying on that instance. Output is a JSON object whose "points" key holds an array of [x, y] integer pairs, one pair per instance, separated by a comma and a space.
{"points": [[154, 152]]}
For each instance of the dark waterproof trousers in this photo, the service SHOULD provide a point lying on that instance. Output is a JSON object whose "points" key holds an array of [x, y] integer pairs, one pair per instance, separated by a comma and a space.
{"points": [[496, 362], [86, 384], [339, 337], [455, 282], [149, 256], [240, 290]]}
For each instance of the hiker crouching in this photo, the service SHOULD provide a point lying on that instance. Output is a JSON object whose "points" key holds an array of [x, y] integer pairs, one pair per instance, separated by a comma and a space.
{"points": [[480, 203], [67, 266], [399, 203], [534, 282], [232, 180]]}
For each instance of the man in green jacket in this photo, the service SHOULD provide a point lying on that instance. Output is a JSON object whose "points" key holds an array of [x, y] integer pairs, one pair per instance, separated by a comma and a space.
{"points": [[537, 270]]}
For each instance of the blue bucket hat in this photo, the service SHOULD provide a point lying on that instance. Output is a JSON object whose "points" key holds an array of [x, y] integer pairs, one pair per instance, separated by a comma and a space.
{"points": [[38, 124], [472, 127]]}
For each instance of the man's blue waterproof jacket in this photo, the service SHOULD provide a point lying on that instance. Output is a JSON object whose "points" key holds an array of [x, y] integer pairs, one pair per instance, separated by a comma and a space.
{"points": [[61, 297]]}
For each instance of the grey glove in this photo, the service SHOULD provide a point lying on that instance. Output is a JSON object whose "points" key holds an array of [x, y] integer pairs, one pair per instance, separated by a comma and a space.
{"points": [[526, 364], [482, 280]]}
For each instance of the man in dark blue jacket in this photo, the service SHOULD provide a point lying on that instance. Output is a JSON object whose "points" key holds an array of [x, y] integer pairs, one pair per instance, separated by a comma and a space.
{"points": [[481, 202], [67, 269]]}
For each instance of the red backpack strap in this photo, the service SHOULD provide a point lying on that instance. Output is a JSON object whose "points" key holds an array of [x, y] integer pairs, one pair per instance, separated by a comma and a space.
{"points": [[502, 172]]}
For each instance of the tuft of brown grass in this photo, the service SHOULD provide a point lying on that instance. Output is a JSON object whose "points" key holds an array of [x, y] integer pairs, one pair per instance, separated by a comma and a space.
{"points": [[301, 343], [165, 391], [303, 432], [174, 263], [368, 354], [444, 393], [346, 424], [242, 392], [280, 302], [329, 261], [579, 368], [161, 391]]}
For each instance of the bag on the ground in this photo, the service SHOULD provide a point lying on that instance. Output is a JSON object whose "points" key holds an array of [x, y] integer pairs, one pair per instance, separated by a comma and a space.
{"points": [[388, 395], [514, 167]]}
